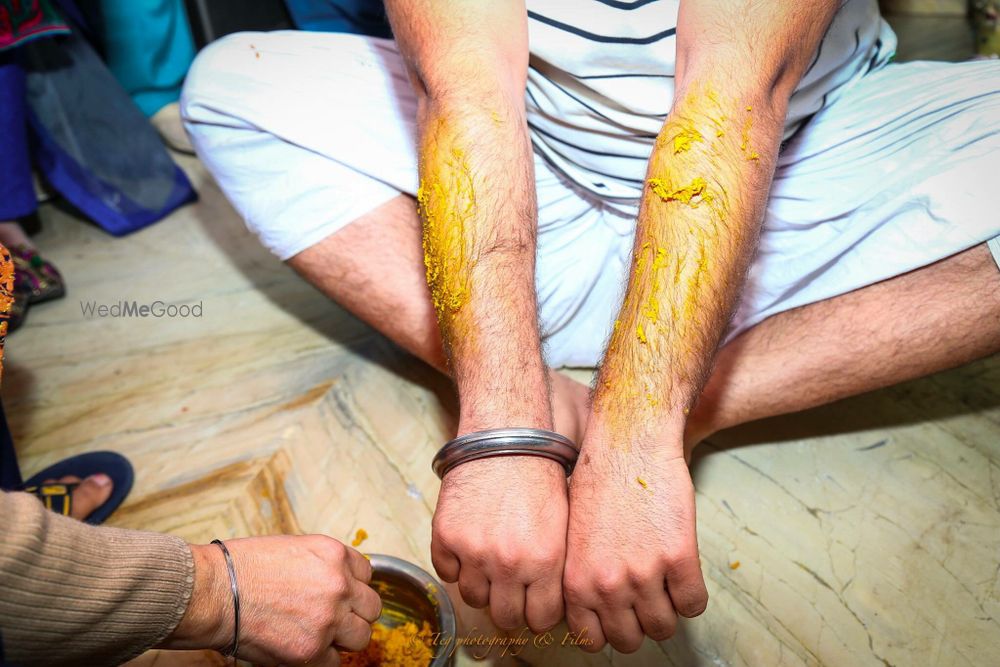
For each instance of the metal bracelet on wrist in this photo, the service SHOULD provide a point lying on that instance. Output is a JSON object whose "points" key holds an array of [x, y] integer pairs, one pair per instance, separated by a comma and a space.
{"points": [[506, 442], [235, 589]]}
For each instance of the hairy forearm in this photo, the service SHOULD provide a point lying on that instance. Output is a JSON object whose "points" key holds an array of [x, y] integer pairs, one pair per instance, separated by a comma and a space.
{"points": [[477, 204], [705, 193]]}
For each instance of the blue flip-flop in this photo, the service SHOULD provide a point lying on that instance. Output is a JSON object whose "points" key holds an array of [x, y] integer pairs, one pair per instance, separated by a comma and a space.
{"points": [[57, 496]]}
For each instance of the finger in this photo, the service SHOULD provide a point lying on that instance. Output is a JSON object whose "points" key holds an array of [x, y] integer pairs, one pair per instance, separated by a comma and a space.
{"points": [[586, 626], [687, 587], [543, 608], [474, 587], [621, 628], [444, 562], [360, 567], [656, 612], [365, 602], [329, 658], [354, 633], [507, 604]]}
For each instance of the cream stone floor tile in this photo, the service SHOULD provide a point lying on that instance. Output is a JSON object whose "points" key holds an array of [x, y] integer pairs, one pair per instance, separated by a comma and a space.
{"points": [[863, 533]]}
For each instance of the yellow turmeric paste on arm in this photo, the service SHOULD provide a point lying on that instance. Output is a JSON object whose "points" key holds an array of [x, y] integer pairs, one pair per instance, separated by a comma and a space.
{"points": [[476, 201], [698, 222]]}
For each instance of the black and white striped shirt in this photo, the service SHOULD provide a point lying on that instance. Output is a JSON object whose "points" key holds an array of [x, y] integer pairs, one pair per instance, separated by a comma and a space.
{"points": [[601, 80]]}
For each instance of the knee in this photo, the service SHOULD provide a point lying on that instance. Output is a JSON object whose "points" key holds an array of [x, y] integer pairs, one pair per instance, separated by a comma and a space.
{"points": [[218, 71]]}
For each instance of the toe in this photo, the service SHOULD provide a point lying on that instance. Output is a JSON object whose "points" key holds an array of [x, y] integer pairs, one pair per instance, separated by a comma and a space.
{"points": [[91, 494]]}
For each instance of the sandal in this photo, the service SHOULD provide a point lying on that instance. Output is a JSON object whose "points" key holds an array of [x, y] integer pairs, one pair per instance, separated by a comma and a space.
{"points": [[36, 276], [18, 308], [58, 496]]}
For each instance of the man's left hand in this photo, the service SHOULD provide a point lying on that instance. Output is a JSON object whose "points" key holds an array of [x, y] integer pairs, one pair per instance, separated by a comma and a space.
{"points": [[632, 554]]}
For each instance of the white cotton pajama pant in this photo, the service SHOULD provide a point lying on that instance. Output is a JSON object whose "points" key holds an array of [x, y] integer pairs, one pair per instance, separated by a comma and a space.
{"points": [[307, 132]]}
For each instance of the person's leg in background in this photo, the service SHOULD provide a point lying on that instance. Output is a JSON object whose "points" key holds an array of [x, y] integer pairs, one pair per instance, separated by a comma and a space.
{"points": [[35, 279], [935, 318], [148, 46], [10, 473]]}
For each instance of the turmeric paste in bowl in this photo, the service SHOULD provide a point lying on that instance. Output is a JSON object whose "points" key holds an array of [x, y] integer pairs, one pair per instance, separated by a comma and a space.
{"points": [[417, 622]]}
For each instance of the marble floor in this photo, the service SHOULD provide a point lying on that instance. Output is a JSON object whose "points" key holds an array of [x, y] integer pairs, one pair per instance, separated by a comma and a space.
{"points": [[862, 533]]}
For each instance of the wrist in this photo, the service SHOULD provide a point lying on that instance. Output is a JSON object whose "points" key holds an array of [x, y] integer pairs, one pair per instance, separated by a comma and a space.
{"points": [[207, 623], [658, 435], [520, 403]]}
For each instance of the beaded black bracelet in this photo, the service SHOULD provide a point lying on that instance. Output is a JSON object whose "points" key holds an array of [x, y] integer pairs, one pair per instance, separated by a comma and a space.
{"points": [[231, 653]]}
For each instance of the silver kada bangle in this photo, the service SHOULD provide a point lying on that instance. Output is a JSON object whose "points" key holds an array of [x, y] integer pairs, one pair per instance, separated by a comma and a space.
{"points": [[506, 442]]}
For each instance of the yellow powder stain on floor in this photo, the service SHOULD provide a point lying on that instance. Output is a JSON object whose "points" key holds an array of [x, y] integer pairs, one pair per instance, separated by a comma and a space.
{"points": [[359, 537], [734, 565]]}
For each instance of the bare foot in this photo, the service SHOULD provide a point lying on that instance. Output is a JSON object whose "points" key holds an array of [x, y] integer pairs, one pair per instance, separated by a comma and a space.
{"points": [[91, 494], [12, 234], [570, 406]]}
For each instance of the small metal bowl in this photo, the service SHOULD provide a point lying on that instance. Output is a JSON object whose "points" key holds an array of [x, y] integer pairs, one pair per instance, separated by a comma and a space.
{"points": [[410, 594]]}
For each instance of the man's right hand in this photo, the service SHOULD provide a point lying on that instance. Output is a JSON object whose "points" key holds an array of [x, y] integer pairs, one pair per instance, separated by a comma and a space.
{"points": [[301, 599], [500, 531]]}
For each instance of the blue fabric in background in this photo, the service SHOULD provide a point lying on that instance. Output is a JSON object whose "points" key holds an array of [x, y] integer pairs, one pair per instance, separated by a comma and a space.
{"points": [[146, 44], [362, 17], [17, 194], [90, 141]]}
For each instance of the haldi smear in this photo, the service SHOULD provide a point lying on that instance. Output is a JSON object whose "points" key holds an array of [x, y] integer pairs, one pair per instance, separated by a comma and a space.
{"points": [[446, 200], [662, 188], [359, 537], [685, 138], [402, 646], [683, 237]]}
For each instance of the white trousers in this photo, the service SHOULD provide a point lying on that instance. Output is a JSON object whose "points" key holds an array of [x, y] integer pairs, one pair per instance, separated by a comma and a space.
{"points": [[306, 132]]}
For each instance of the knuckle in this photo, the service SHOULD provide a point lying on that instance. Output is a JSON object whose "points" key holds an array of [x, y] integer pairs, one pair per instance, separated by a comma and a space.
{"points": [[305, 650], [509, 563], [546, 562], [628, 644], [695, 605], [476, 557], [636, 577], [575, 588], [338, 585], [608, 582], [506, 618], [661, 628], [676, 562], [475, 599], [547, 618], [335, 549], [327, 548]]}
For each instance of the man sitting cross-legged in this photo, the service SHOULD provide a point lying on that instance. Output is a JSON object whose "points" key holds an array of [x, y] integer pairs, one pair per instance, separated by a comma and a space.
{"points": [[746, 205]]}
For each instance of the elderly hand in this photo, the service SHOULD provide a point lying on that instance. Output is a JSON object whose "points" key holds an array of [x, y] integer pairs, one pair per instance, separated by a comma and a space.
{"points": [[301, 599], [632, 554], [500, 531]]}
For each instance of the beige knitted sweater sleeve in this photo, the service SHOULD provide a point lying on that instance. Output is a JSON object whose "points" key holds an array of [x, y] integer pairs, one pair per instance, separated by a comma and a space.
{"points": [[73, 594]]}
